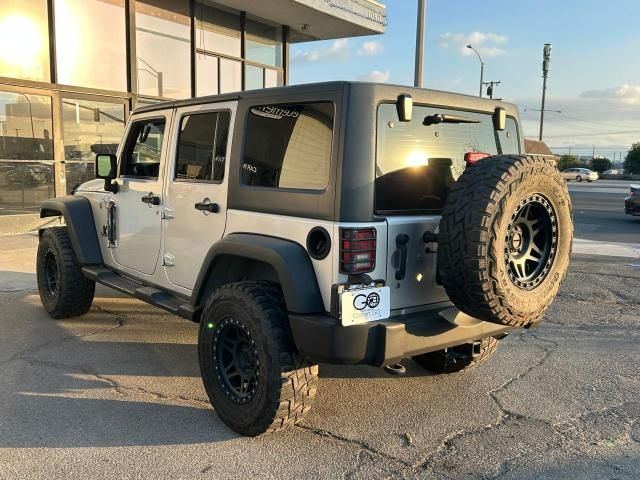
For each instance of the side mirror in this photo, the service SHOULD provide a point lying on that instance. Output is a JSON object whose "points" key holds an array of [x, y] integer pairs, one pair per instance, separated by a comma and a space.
{"points": [[500, 119], [107, 169], [404, 106]]}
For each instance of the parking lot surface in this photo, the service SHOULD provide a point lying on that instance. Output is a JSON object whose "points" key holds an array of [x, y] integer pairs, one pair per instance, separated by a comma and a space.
{"points": [[117, 394]]}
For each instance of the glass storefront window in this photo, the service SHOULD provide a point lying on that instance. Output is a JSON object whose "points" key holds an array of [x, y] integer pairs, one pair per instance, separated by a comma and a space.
{"points": [[26, 151], [217, 31], [90, 43], [24, 40], [230, 75], [253, 77], [163, 48], [263, 43], [89, 128], [206, 75], [272, 78]]}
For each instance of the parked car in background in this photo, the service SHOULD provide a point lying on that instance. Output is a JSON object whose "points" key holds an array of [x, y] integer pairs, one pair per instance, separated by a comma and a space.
{"points": [[632, 202], [579, 174], [612, 172]]}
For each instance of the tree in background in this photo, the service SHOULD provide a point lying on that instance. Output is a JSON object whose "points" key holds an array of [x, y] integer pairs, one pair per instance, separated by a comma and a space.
{"points": [[601, 164], [568, 161], [632, 160]]}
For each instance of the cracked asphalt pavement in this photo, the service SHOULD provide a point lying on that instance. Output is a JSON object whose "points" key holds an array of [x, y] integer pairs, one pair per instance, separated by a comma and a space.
{"points": [[117, 394]]}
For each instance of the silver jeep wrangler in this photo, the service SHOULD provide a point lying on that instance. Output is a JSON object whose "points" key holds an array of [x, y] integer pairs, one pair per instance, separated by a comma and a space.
{"points": [[340, 222]]}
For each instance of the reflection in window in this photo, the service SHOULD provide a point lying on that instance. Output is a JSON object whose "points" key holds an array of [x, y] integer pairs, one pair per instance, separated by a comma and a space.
{"points": [[230, 76], [417, 164], [217, 31], [288, 146], [264, 43], [90, 43], [272, 78], [509, 140], [206, 75], [202, 147], [24, 40], [253, 77], [143, 150], [26, 151], [163, 48], [89, 128]]}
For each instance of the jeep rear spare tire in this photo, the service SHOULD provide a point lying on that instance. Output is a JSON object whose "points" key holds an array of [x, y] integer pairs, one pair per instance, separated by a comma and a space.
{"points": [[505, 238]]}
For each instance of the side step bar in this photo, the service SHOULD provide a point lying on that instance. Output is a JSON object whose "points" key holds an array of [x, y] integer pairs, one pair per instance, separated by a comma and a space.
{"points": [[153, 295]]}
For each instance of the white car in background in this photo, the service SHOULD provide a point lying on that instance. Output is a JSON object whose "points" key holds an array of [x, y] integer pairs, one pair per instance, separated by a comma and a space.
{"points": [[579, 174]]}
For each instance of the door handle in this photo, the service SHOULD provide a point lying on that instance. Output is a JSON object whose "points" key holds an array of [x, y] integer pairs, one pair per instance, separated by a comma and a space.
{"points": [[401, 244], [207, 207], [151, 199]]}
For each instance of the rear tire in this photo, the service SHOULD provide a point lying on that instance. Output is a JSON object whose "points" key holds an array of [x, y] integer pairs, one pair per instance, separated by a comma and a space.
{"points": [[253, 375], [64, 291], [505, 239], [452, 360]]}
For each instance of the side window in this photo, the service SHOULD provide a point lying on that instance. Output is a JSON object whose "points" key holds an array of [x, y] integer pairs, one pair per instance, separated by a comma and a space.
{"points": [[202, 146], [143, 149], [288, 146], [509, 140]]}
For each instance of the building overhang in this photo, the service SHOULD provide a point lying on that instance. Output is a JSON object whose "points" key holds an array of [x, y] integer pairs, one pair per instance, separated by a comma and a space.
{"points": [[318, 19]]}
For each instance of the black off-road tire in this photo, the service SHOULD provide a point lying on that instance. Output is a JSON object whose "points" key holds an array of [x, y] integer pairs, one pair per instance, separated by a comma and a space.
{"points": [[64, 291], [478, 233], [285, 383], [452, 360]]}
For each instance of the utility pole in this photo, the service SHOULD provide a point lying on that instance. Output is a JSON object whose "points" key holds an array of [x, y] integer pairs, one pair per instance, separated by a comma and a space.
{"points": [[490, 85], [546, 62], [418, 74]]}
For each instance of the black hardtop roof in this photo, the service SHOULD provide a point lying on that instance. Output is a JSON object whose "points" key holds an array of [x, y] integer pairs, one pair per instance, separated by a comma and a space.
{"points": [[378, 90]]}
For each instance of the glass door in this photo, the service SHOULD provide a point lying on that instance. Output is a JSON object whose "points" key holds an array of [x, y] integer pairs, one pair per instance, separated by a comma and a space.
{"points": [[26, 150], [90, 126]]}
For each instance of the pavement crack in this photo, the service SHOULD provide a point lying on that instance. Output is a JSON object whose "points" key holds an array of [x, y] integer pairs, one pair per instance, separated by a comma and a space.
{"points": [[357, 443], [21, 355]]}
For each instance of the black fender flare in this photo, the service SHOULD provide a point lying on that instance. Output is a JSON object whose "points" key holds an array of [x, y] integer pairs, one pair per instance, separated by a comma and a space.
{"points": [[81, 226], [289, 260]]}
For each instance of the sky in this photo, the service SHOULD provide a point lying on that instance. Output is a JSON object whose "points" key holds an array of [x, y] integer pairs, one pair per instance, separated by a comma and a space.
{"points": [[595, 69]]}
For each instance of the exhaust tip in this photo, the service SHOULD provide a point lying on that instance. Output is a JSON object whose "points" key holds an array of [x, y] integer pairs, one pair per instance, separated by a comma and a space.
{"points": [[395, 369]]}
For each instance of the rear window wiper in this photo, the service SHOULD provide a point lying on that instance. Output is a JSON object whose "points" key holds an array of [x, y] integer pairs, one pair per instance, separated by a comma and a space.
{"points": [[446, 118]]}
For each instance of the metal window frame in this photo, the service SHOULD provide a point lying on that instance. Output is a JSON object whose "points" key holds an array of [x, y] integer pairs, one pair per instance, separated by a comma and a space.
{"points": [[57, 91]]}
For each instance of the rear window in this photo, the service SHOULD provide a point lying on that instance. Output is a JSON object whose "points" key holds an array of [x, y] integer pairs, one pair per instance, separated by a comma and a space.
{"points": [[417, 163], [288, 146]]}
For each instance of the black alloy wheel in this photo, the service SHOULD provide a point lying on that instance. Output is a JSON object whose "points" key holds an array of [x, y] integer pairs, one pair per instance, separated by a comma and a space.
{"points": [[51, 273], [530, 247], [237, 364]]}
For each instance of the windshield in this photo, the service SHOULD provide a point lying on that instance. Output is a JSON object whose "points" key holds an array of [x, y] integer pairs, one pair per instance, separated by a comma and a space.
{"points": [[417, 164]]}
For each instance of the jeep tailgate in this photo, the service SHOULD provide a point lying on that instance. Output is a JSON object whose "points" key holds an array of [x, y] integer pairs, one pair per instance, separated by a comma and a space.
{"points": [[411, 263]]}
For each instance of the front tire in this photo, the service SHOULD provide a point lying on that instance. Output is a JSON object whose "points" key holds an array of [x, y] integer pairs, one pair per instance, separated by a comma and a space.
{"points": [[452, 360], [578, 179], [64, 291], [253, 375]]}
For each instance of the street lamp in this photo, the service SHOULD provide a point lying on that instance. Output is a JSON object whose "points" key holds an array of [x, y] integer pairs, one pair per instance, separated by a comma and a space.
{"points": [[481, 67]]}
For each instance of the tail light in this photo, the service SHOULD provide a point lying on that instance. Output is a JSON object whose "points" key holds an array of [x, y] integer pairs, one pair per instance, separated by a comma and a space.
{"points": [[357, 250], [473, 157]]}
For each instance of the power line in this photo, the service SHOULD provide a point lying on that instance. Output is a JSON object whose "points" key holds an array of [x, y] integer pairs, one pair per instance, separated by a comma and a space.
{"points": [[594, 134]]}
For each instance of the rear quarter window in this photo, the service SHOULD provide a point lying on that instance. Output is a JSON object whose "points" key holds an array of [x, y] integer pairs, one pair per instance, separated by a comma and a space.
{"points": [[288, 146]]}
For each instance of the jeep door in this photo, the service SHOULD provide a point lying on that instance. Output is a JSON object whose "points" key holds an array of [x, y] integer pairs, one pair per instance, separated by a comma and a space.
{"points": [[139, 199], [196, 188]]}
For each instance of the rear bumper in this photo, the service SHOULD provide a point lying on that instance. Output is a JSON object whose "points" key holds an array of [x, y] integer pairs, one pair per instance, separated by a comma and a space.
{"points": [[322, 338]]}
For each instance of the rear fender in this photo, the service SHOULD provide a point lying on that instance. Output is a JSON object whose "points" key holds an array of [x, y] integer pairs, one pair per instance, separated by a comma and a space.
{"points": [[261, 258]]}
